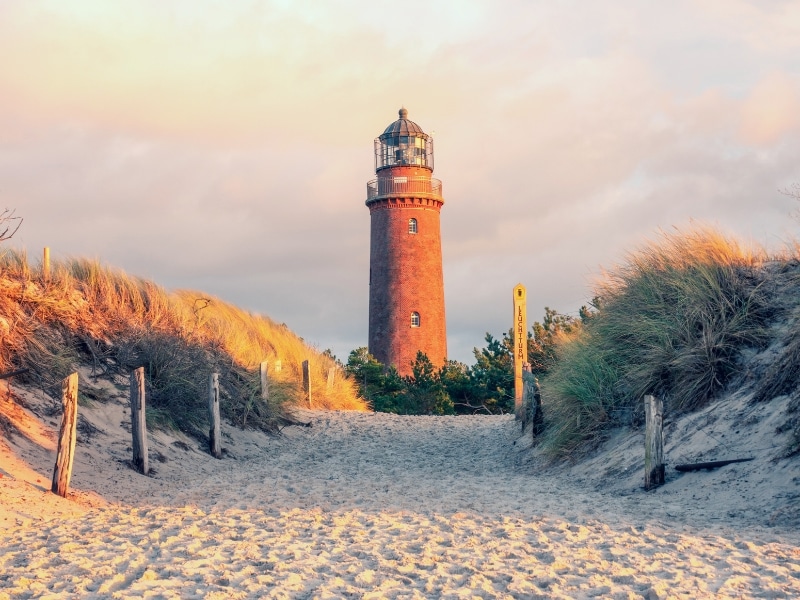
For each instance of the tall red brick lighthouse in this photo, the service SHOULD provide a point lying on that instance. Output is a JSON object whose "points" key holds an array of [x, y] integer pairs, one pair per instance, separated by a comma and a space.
{"points": [[406, 287]]}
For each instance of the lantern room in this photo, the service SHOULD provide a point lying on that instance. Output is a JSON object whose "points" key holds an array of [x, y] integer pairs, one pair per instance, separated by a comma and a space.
{"points": [[403, 143]]}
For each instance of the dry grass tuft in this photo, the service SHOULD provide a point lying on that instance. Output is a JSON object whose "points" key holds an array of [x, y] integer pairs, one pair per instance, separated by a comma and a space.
{"points": [[671, 322], [87, 311]]}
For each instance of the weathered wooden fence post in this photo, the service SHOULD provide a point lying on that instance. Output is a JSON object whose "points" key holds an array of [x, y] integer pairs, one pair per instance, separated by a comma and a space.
{"points": [[66, 437], [264, 372], [213, 416], [277, 366], [653, 442], [532, 411], [526, 413], [138, 422], [307, 382], [331, 375], [538, 415], [46, 265]]}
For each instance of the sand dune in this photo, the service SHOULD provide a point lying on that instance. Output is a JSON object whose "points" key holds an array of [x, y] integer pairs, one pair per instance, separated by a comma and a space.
{"points": [[362, 505]]}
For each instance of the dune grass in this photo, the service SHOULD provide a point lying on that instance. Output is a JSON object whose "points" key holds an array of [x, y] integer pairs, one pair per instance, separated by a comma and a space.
{"points": [[89, 312], [671, 321]]}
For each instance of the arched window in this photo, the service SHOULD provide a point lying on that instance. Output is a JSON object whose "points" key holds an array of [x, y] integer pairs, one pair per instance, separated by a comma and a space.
{"points": [[412, 226], [415, 319]]}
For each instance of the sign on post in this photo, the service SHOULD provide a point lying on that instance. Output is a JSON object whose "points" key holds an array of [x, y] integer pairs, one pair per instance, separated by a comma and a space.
{"points": [[520, 344]]}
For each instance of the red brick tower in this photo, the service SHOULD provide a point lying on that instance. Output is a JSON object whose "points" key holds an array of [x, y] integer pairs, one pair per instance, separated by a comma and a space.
{"points": [[406, 287]]}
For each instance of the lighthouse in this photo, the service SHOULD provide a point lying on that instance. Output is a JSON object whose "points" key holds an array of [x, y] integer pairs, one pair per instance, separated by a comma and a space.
{"points": [[406, 285]]}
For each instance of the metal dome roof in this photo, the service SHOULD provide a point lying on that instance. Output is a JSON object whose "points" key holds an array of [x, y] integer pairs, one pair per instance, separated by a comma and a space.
{"points": [[403, 126]]}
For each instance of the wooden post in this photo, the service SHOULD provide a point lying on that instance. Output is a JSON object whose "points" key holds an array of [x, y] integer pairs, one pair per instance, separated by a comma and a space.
{"points": [[331, 375], [307, 382], [532, 405], [46, 265], [138, 422], [66, 436], [537, 425], [653, 442], [264, 372], [277, 366], [213, 416], [520, 345], [526, 412]]}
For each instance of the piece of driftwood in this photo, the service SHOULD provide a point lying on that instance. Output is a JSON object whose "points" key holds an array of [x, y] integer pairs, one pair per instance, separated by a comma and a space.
{"points": [[715, 464], [12, 373], [214, 435], [289, 422], [66, 437], [654, 474]]}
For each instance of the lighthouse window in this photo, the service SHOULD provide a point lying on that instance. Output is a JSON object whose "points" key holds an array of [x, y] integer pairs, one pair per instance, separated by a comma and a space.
{"points": [[412, 226], [415, 319]]}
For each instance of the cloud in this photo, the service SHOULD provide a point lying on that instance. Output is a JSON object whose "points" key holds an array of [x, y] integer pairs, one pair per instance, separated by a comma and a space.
{"points": [[772, 110], [225, 146]]}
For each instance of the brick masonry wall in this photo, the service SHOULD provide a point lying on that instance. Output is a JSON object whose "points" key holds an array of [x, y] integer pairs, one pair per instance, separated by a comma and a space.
{"points": [[405, 277]]}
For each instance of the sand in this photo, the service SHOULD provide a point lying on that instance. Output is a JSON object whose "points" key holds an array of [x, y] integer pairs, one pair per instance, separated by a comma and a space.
{"points": [[359, 505]]}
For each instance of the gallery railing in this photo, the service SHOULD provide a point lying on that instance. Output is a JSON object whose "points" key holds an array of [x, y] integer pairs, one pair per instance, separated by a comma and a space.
{"points": [[425, 187]]}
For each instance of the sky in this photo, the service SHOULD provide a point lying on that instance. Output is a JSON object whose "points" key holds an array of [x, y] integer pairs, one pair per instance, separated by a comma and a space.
{"points": [[225, 146]]}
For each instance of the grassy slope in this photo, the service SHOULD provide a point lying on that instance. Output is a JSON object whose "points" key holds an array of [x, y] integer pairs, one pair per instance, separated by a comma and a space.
{"points": [[673, 321], [87, 312]]}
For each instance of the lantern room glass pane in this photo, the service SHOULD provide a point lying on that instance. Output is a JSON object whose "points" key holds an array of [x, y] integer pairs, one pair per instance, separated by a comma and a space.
{"points": [[403, 150]]}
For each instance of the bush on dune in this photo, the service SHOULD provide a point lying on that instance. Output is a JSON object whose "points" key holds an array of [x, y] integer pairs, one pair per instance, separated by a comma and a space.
{"points": [[671, 322], [86, 311]]}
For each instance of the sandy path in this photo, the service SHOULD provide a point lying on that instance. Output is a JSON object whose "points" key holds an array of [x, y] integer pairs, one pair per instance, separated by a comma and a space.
{"points": [[378, 506]]}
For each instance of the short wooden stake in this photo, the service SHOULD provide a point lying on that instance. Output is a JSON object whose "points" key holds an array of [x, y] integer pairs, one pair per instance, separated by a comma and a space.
{"points": [[138, 422], [67, 436], [213, 416], [532, 412], [331, 375], [264, 373], [46, 265], [307, 382], [277, 366], [653, 442], [528, 406], [537, 426]]}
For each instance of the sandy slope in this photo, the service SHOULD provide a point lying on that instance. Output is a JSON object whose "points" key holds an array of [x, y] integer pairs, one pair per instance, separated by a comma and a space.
{"points": [[356, 506]]}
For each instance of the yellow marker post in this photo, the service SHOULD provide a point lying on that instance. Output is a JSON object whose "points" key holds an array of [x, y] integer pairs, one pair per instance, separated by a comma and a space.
{"points": [[520, 343]]}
